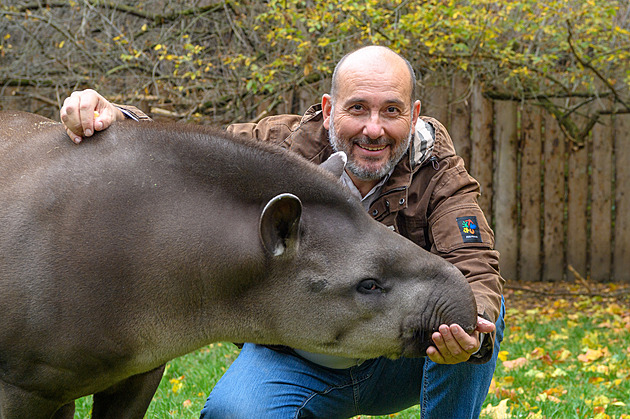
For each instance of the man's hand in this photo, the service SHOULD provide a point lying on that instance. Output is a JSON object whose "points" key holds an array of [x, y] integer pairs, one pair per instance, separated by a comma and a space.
{"points": [[84, 112], [453, 345]]}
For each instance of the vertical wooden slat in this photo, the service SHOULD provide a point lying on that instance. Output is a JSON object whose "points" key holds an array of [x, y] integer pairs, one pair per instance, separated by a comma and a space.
{"points": [[529, 257], [505, 139], [459, 118], [553, 191], [435, 103], [577, 202], [621, 271], [481, 141], [601, 210]]}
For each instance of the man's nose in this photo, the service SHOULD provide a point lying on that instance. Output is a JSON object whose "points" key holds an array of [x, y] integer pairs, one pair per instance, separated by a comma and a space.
{"points": [[373, 127]]}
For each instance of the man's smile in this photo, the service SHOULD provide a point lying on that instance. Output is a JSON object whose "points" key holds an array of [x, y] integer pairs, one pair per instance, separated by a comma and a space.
{"points": [[370, 147]]}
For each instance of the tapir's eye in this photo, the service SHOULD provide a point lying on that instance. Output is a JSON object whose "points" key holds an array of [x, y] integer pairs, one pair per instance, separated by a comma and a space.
{"points": [[369, 286]]}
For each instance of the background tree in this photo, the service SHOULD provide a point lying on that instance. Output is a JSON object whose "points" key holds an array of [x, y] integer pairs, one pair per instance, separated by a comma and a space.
{"points": [[222, 61]]}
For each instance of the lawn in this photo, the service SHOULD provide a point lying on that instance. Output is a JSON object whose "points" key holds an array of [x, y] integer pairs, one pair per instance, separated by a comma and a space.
{"points": [[566, 354]]}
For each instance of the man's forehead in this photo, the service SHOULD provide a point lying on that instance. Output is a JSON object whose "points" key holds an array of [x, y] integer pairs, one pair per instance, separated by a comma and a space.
{"points": [[363, 85]]}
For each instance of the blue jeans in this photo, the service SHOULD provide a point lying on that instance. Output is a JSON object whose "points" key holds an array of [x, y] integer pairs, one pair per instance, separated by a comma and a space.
{"points": [[263, 383]]}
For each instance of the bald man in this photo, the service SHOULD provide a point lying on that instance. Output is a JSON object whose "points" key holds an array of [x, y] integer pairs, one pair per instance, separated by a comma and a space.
{"points": [[405, 171]]}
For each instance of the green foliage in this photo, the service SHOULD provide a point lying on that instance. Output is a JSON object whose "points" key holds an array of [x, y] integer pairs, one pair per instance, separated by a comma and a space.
{"points": [[224, 58]]}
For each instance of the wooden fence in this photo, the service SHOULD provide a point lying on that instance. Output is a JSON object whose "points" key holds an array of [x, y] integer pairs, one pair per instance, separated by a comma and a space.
{"points": [[560, 210]]}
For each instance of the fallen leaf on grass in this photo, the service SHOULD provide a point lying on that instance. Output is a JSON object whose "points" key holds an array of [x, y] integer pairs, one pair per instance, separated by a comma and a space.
{"points": [[518, 362], [592, 355], [499, 411]]}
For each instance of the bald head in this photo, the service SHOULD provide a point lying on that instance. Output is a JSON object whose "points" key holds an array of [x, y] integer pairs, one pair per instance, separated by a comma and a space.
{"points": [[374, 57]]}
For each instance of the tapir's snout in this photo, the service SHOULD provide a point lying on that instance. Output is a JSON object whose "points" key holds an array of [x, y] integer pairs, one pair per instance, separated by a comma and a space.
{"points": [[451, 302]]}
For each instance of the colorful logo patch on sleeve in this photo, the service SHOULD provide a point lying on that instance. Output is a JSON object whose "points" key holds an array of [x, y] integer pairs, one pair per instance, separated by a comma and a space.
{"points": [[469, 228]]}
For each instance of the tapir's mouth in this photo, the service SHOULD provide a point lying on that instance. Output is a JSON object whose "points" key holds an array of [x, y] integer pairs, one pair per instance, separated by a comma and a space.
{"points": [[415, 342]]}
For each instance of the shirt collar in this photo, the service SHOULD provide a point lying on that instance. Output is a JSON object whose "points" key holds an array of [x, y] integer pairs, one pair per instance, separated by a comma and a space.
{"points": [[371, 196]]}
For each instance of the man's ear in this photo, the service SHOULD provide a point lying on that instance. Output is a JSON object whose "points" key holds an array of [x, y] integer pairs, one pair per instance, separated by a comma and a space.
{"points": [[417, 106], [326, 109]]}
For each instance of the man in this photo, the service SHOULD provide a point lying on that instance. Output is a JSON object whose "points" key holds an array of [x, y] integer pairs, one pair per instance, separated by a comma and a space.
{"points": [[405, 171]]}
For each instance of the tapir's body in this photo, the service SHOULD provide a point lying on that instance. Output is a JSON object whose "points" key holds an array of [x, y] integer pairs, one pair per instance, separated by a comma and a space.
{"points": [[150, 241]]}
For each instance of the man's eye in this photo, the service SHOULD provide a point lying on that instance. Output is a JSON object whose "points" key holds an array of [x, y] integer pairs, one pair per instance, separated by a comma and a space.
{"points": [[392, 109], [357, 107]]}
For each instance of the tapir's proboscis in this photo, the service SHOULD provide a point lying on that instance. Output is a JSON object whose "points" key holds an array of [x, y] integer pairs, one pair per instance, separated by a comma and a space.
{"points": [[149, 240]]}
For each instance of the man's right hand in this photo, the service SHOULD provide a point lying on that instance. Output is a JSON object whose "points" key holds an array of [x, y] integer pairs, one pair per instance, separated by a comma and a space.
{"points": [[86, 111]]}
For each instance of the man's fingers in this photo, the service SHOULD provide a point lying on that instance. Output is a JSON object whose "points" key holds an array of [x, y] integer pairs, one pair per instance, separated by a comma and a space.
{"points": [[79, 112], [450, 337], [435, 355], [88, 104], [452, 345], [485, 326], [75, 138]]}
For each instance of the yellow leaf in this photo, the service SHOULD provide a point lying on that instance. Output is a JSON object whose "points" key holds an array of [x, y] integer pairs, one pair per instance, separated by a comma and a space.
{"points": [[592, 355], [61, 44], [499, 411], [7, 36], [503, 355], [590, 339], [144, 27], [562, 355], [157, 47]]}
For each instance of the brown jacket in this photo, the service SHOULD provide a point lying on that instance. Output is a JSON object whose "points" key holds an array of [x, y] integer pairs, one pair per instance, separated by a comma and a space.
{"points": [[431, 200]]}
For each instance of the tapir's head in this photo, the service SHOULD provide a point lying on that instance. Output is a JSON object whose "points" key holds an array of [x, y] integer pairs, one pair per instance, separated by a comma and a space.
{"points": [[345, 284]]}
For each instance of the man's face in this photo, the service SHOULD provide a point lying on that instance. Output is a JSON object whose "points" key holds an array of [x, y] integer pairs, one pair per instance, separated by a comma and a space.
{"points": [[372, 118], [369, 158]]}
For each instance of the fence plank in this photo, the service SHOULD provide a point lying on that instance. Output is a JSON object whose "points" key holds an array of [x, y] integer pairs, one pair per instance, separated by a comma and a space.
{"points": [[530, 181], [601, 200], [459, 118], [621, 270], [553, 191], [601, 229], [435, 103], [482, 116], [577, 203], [505, 216]]}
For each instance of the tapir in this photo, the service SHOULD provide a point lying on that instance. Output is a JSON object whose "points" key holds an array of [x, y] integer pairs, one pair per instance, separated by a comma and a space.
{"points": [[151, 240]]}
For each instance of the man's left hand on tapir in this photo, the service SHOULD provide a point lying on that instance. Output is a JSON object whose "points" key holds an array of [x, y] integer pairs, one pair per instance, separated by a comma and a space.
{"points": [[453, 345]]}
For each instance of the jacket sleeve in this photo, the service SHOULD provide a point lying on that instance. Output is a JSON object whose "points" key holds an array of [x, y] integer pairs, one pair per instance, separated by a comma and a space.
{"points": [[460, 233], [276, 129], [132, 112]]}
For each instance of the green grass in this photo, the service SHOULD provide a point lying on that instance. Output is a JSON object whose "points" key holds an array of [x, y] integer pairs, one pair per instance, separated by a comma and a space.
{"points": [[561, 358]]}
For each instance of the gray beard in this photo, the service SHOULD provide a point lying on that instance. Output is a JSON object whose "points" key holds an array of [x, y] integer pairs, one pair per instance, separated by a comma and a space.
{"points": [[364, 173]]}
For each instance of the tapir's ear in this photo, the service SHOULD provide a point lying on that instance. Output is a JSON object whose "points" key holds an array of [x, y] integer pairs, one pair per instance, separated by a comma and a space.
{"points": [[280, 223], [336, 163]]}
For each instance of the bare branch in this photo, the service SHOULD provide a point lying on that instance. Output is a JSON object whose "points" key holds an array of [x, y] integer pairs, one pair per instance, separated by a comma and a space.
{"points": [[587, 65]]}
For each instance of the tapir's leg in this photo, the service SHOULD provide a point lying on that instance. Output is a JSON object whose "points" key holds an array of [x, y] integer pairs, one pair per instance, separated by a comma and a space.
{"points": [[128, 399], [17, 403]]}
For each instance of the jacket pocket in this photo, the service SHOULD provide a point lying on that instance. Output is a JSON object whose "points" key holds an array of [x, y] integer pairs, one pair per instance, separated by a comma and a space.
{"points": [[413, 229]]}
